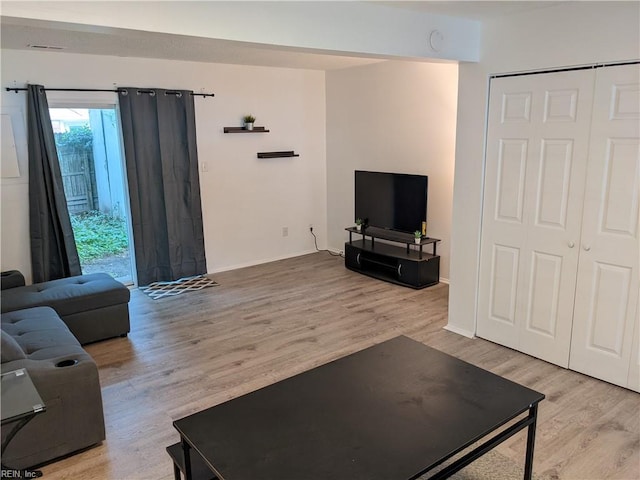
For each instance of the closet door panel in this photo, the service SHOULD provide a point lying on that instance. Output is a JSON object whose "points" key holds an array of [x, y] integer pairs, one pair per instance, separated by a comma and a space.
{"points": [[554, 180], [543, 301], [504, 211], [534, 180], [554, 203], [607, 289]]}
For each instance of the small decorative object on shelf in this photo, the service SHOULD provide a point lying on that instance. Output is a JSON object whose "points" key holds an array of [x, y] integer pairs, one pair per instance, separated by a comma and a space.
{"points": [[417, 236], [249, 121], [358, 224], [288, 153]]}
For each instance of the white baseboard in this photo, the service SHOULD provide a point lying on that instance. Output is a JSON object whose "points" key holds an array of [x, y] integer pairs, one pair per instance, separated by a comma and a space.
{"points": [[459, 331], [260, 262]]}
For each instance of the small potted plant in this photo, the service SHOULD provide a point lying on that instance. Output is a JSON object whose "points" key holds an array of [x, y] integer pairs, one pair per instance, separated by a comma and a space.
{"points": [[358, 224], [417, 236], [248, 121]]}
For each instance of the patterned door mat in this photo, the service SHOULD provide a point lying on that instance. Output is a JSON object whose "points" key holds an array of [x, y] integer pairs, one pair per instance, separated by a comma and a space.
{"points": [[158, 290]]}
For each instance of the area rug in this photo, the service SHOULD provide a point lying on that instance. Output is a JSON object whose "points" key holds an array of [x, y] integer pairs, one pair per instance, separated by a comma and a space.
{"points": [[491, 466], [157, 290]]}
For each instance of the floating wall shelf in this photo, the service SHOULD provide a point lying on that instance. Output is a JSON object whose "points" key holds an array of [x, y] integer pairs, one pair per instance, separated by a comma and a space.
{"points": [[289, 153], [244, 130]]}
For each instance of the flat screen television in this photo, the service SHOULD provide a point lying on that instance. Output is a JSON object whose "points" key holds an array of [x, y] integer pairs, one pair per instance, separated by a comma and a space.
{"points": [[393, 201]]}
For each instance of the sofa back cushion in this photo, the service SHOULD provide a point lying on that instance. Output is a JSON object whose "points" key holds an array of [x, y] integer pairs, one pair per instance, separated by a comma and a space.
{"points": [[9, 348]]}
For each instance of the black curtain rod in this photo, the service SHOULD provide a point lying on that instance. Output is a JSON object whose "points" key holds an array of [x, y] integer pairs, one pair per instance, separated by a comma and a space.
{"points": [[174, 92], [567, 69]]}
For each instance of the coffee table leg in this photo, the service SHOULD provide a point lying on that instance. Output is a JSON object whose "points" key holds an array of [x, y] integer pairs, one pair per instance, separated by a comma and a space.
{"points": [[187, 460], [12, 434], [531, 439]]}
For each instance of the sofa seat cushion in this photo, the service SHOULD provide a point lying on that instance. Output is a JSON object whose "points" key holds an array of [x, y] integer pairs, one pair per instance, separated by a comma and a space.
{"points": [[68, 296], [27, 320], [39, 333]]}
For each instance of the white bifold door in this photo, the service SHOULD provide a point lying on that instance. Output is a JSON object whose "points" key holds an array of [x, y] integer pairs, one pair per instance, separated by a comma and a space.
{"points": [[559, 253]]}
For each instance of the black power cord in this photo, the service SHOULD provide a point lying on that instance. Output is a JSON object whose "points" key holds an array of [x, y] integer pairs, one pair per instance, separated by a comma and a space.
{"points": [[315, 240]]}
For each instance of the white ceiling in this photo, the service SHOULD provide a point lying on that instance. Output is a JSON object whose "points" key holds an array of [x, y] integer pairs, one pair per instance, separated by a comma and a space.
{"points": [[23, 34]]}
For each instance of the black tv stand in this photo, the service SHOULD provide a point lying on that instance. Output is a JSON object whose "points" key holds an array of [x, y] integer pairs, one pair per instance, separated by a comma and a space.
{"points": [[410, 267]]}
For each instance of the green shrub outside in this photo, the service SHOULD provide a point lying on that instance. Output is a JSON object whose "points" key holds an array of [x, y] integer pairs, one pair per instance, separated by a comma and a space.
{"points": [[98, 235], [80, 138]]}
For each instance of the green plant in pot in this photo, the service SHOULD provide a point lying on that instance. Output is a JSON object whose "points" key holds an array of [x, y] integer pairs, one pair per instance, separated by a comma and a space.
{"points": [[358, 224], [417, 236], [249, 121]]}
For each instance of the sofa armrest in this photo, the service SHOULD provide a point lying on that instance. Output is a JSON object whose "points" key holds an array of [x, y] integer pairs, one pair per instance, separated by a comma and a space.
{"points": [[73, 419], [11, 279]]}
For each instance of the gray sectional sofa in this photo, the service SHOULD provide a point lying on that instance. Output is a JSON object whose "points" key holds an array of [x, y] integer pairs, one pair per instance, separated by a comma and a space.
{"points": [[94, 307], [43, 326], [66, 378]]}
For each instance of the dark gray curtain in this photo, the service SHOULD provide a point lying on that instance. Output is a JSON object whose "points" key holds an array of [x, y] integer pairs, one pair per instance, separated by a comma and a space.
{"points": [[53, 247], [159, 136]]}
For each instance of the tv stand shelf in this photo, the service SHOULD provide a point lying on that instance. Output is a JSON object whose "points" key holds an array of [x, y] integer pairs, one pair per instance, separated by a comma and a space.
{"points": [[405, 266]]}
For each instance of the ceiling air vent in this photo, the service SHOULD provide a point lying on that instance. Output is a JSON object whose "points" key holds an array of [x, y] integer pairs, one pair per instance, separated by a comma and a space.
{"points": [[45, 47]]}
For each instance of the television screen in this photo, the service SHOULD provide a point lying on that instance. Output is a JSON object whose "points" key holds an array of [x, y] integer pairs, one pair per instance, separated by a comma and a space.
{"points": [[394, 201]]}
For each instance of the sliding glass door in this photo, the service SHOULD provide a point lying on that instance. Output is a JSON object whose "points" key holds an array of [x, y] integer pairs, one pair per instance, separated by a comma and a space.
{"points": [[89, 149]]}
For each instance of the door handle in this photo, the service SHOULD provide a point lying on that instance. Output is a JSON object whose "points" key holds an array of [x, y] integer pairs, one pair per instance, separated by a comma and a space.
{"points": [[358, 259], [400, 270], [586, 247], [571, 244]]}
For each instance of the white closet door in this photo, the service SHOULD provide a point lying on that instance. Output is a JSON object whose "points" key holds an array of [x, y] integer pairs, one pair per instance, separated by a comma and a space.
{"points": [[607, 288], [535, 171]]}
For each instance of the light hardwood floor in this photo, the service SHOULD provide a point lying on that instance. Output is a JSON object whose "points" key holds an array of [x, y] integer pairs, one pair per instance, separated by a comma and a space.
{"points": [[269, 322]]}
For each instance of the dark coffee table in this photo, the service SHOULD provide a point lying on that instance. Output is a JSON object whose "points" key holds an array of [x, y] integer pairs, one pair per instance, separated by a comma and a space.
{"points": [[392, 411]]}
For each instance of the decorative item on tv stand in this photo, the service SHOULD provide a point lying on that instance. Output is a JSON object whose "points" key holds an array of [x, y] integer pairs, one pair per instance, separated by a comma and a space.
{"points": [[417, 236], [249, 120], [359, 224]]}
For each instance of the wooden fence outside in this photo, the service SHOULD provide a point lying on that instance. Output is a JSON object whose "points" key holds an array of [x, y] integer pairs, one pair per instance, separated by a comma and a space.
{"points": [[79, 179]]}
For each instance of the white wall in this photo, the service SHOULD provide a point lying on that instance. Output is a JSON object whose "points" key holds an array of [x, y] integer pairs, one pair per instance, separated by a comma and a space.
{"points": [[246, 201], [573, 33], [394, 117]]}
